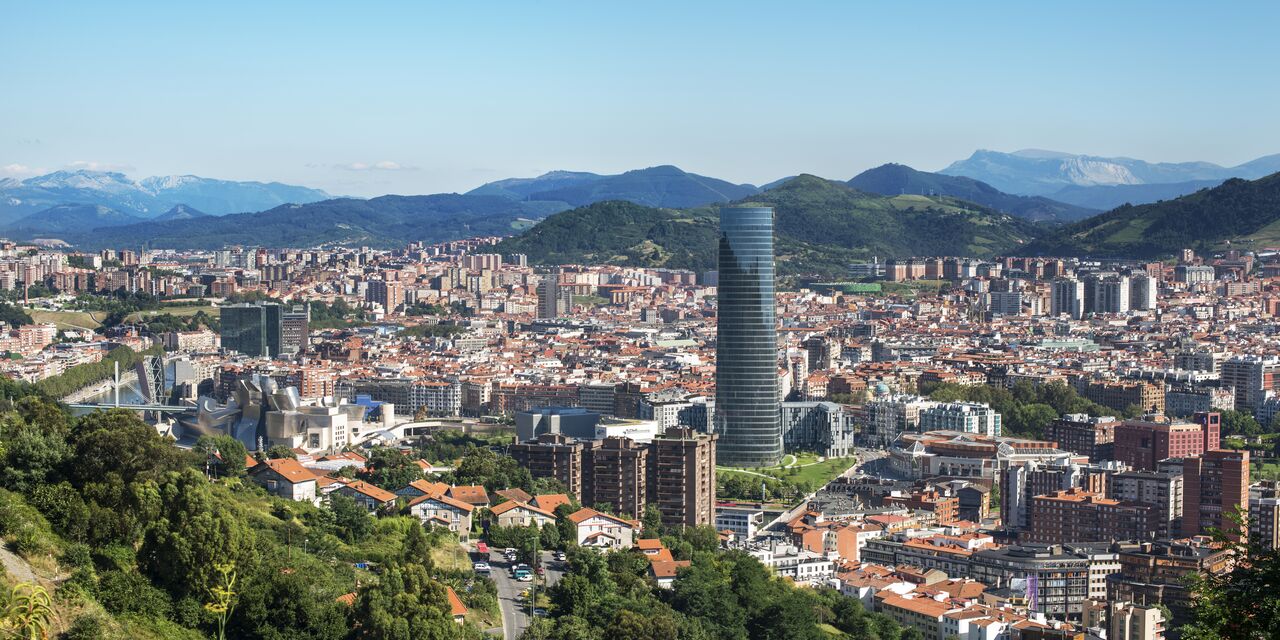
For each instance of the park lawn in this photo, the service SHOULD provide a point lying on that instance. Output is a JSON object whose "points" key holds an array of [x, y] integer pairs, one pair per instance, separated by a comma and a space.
{"points": [[181, 311], [65, 319], [806, 469], [1265, 471]]}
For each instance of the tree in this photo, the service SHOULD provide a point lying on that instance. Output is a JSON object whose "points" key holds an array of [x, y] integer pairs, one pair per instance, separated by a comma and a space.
{"points": [[184, 547], [280, 452], [406, 604], [651, 521], [351, 520], [549, 537], [1240, 423], [390, 469], [1240, 603], [230, 453]]}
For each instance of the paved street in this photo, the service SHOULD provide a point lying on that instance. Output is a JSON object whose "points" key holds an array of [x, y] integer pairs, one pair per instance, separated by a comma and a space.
{"points": [[515, 612]]}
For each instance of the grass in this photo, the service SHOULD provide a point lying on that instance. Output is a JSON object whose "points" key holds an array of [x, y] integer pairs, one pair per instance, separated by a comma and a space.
{"points": [[181, 311], [1265, 471], [590, 301], [451, 557], [805, 467], [65, 319]]}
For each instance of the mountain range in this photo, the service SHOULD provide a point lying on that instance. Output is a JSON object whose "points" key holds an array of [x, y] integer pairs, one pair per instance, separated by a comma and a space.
{"points": [[897, 179], [146, 198], [1099, 182], [661, 186], [821, 226], [1239, 213]]}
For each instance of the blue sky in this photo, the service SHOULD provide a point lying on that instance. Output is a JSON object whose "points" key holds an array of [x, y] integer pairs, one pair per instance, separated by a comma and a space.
{"points": [[366, 98]]}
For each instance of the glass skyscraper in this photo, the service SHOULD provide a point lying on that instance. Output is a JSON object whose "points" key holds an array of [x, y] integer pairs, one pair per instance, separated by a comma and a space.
{"points": [[747, 412]]}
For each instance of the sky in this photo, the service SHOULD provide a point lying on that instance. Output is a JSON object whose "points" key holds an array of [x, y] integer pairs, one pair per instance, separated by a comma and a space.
{"points": [[367, 98]]}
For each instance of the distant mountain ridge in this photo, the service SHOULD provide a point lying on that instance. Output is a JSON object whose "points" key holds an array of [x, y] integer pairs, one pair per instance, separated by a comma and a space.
{"points": [[386, 221], [70, 218], [1089, 181], [821, 226], [1238, 213], [896, 179], [660, 186], [146, 198]]}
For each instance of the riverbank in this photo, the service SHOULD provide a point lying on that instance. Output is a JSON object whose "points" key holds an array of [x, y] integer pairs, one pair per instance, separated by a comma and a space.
{"points": [[103, 388]]}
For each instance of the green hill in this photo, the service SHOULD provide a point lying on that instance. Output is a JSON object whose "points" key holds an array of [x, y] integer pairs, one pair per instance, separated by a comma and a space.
{"points": [[1242, 213], [820, 227], [895, 179]]}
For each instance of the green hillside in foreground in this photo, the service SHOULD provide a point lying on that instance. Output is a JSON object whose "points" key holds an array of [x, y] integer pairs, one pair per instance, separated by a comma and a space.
{"points": [[820, 225], [1242, 214]]}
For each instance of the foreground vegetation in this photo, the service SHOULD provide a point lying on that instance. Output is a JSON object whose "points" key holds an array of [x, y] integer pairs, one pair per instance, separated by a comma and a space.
{"points": [[149, 547]]}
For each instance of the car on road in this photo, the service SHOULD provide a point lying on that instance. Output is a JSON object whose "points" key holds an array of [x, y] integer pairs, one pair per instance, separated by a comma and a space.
{"points": [[524, 576], [560, 556], [480, 567], [539, 612]]}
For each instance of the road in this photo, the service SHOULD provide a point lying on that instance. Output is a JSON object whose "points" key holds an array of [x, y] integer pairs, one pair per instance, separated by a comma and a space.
{"points": [[515, 612]]}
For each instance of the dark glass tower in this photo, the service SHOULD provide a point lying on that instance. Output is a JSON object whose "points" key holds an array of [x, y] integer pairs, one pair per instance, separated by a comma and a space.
{"points": [[746, 417]]}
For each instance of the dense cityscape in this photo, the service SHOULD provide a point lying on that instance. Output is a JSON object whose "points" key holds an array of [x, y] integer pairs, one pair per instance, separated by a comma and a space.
{"points": [[976, 448], [639, 321]]}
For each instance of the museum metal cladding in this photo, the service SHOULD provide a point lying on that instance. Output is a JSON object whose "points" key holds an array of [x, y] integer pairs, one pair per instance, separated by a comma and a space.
{"points": [[747, 418]]}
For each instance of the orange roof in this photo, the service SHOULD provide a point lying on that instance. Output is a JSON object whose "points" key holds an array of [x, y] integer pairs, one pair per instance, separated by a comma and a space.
{"points": [[443, 499], [586, 513], [474, 494], [291, 470], [429, 488], [517, 494], [373, 491], [456, 608], [550, 501], [667, 568], [512, 505], [649, 544], [348, 599]]}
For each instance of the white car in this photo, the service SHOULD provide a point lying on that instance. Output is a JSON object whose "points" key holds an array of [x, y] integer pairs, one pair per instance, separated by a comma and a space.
{"points": [[480, 567], [525, 577], [560, 556]]}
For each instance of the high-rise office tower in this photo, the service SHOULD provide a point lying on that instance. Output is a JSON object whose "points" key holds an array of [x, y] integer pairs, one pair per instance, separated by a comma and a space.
{"points": [[244, 329], [747, 418], [554, 299], [1215, 486], [1068, 298], [295, 324]]}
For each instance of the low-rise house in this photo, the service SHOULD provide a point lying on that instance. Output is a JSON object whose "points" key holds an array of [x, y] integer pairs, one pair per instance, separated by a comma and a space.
{"points": [[474, 495], [519, 514], [456, 608], [369, 496], [419, 488], [443, 511], [549, 501], [601, 530], [287, 478]]}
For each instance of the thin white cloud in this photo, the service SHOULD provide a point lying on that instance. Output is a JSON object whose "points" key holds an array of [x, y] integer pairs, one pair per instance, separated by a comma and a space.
{"points": [[16, 170], [384, 165], [91, 165]]}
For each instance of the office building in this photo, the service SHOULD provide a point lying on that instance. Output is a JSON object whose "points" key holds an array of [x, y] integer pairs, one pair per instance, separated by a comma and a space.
{"points": [[1067, 298], [747, 413], [825, 428], [1264, 514], [264, 329], [1141, 444], [295, 329], [1252, 377], [1083, 434], [1216, 486], [1162, 491], [682, 478], [554, 299]]}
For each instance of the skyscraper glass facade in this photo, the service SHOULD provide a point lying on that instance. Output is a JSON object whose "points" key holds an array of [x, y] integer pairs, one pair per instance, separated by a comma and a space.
{"points": [[244, 329], [747, 417]]}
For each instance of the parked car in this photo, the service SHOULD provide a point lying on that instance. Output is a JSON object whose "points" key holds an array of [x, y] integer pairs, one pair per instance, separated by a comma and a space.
{"points": [[480, 567], [561, 556]]}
